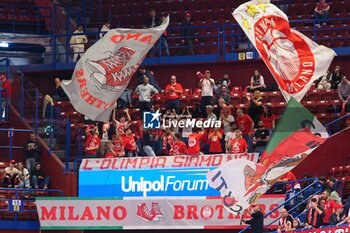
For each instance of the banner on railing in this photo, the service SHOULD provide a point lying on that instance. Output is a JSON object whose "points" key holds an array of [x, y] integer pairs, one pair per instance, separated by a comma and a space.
{"points": [[181, 175], [143, 213]]}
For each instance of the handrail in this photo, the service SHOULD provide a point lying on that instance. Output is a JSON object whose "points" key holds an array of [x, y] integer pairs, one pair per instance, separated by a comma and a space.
{"points": [[15, 130], [33, 190], [337, 120], [317, 183]]}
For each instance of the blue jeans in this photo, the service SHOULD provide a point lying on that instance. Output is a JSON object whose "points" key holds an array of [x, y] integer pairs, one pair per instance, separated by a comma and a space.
{"points": [[40, 182], [30, 164], [259, 149], [249, 139], [173, 104], [148, 150], [320, 19]]}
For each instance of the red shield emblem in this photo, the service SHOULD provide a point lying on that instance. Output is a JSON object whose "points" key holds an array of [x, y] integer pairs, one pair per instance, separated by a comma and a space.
{"points": [[287, 54]]}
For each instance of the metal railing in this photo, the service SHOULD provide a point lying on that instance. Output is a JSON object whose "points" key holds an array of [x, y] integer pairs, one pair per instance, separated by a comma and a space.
{"points": [[9, 144], [16, 17], [215, 42], [335, 123], [313, 188], [21, 201], [4, 101]]}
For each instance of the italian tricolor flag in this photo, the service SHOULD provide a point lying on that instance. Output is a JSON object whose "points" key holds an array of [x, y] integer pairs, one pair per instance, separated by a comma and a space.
{"points": [[298, 133]]}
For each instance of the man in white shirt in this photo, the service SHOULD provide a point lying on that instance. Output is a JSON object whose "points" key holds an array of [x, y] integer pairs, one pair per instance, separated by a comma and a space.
{"points": [[77, 42], [207, 84], [105, 28], [146, 92]]}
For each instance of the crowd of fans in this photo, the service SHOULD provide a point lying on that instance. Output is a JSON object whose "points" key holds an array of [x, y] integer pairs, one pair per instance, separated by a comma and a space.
{"points": [[16, 175], [324, 209], [237, 132]]}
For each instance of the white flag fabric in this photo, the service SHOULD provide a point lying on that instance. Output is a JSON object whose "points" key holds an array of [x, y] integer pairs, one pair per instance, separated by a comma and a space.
{"points": [[234, 179], [105, 69], [294, 60]]}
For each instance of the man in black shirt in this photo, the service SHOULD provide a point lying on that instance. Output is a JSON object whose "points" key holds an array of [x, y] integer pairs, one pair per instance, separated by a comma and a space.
{"points": [[187, 36], [261, 137], [315, 214], [32, 150], [336, 77], [257, 220]]}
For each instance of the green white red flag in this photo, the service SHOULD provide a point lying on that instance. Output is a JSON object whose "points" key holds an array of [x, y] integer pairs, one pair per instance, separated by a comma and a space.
{"points": [[241, 183]]}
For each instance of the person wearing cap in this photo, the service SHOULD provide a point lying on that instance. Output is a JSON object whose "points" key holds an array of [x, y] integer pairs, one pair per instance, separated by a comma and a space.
{"points": [[77, 42], [257, 220], [10, 177], [6, 94], [32, 151], [105, 28], [187, 36], [173, 93], [338, 216]]}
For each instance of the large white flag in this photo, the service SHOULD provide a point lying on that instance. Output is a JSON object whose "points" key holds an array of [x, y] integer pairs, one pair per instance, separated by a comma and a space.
{"points": [[104, 71], [294, 60]]}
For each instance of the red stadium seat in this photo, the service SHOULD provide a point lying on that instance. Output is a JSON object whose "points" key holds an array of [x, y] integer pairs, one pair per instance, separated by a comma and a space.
{"points": [[236, 90], [274, 97], [313, 95], [323, 117], [244, 107], [346, 183], [322, 106], [327, 94], [345, 171], [235, 98], [279, 107], [310, 105]]}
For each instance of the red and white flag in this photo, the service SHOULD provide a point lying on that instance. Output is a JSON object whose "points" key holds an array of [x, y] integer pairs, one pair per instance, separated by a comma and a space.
{"points": [[294, 60], [105, 69]]}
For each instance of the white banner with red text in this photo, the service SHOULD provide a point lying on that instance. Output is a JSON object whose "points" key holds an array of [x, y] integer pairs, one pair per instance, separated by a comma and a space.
{"points": [[105, 69], [182, 175], [143, 213]]}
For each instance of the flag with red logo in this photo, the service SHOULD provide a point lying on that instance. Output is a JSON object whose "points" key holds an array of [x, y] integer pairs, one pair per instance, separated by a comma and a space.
{"points": [[241, 183], [105, 69], [294, 60]]}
